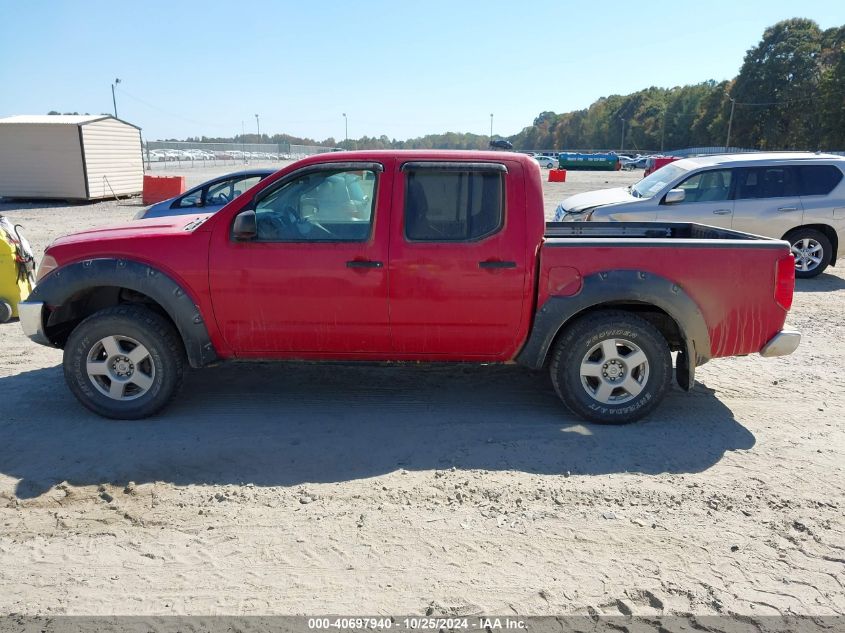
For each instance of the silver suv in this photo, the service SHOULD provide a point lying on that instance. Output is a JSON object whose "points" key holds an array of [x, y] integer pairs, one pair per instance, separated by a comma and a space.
{"points": [[799, 197]]}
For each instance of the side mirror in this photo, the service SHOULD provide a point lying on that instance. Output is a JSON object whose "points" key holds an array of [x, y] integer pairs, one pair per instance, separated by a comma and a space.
{"points": [[675, 196], [245, 227]]}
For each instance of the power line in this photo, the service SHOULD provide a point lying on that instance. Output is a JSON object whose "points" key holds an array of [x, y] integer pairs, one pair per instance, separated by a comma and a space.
{"points": [[785, 101], [171, 114]]}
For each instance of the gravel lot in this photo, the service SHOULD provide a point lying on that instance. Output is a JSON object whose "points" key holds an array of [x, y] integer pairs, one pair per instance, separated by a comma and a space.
{"points": [[352, 490]]}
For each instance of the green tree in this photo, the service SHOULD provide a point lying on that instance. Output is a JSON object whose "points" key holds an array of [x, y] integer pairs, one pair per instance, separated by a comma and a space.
{"points": [[832, 90], [776, 89]]}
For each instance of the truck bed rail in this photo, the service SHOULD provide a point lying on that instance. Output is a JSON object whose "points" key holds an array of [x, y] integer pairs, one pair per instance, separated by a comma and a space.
{"points": [[649, 230]]}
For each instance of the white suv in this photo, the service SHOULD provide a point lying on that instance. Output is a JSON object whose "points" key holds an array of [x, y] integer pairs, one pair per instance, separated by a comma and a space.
{"points": [[799, 197]]}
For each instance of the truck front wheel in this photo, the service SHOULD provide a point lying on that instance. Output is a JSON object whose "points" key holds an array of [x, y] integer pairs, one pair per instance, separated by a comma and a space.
{"points": [[611, 367], [124, 362]]}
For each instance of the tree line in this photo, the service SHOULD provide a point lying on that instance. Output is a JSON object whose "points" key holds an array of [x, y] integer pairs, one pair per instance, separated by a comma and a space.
{"points": [[448, 140], [789, 94]]}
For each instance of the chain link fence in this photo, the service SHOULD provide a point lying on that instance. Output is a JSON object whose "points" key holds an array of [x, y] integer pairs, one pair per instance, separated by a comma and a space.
{"points": [[182, 154], [162, 154], [689, 151]]}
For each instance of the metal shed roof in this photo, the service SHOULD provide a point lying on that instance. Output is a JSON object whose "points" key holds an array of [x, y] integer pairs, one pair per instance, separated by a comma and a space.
{"points": [[59, 119]]}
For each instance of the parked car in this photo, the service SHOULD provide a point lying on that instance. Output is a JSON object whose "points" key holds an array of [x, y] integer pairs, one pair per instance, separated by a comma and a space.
{"points": [[546, 161], [629, 163], [501, 144], [653, 163], [798, 197], [475, 276], [208, 197]]}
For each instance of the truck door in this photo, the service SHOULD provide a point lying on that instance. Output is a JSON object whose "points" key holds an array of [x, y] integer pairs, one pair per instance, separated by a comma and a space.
{"points": [[314, 279], [457, 259], [707, 200], [767, 200]]}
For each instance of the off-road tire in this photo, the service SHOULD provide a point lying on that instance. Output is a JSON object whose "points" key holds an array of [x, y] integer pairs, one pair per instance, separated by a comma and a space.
{"points": [[5, 311], [588, 332], [154, 332]]}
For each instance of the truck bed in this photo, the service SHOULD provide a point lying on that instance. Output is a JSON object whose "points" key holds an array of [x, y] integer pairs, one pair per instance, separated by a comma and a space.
{"points": [[730, 276]]}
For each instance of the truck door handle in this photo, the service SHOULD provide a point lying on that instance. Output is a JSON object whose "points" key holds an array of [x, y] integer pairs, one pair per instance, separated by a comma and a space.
{"points": [[722, 211], [496, 264], [363, 263], [785, 209]]}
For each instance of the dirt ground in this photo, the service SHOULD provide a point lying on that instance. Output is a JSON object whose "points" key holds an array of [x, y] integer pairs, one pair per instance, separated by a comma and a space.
{"points": [[368, 490]]}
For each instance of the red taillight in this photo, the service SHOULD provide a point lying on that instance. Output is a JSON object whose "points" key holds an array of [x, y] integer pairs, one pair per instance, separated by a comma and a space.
{"points": [[785, 281]]}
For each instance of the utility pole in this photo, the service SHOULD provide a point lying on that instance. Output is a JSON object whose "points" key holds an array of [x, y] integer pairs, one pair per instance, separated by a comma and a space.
{"points": [[243, 142], [345, 131], [113, 99], [491, 126], [622, 144], [258, 127], [663, 129], [730, 121]]}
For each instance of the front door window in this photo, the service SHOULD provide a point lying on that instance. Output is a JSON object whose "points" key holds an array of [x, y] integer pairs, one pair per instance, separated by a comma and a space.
{"points": [[321, 206], [707, 199], [707, 186]]}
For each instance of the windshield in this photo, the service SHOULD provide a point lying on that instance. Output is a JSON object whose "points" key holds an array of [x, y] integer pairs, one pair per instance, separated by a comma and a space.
{"points": [[649, 186]]}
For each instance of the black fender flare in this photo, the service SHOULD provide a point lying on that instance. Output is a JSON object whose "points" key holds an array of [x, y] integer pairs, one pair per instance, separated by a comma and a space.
{"points": [[67, 281], [620, 287]]}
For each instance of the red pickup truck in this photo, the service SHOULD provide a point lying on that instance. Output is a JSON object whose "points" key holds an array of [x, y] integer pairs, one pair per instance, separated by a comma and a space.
{"points": [[407, 256]]}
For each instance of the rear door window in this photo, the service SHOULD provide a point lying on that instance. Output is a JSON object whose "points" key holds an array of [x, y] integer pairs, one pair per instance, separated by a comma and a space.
{"points": [[453, 206], [818, 180], [767, 182]]}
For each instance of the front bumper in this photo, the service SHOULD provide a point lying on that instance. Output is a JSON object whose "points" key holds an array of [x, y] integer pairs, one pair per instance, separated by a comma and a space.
{"points": [[781, 344], [30, 314]]}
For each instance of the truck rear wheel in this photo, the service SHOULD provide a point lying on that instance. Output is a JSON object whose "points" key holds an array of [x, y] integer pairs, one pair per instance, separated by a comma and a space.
{"points": [[124, 362], [611, 367]]}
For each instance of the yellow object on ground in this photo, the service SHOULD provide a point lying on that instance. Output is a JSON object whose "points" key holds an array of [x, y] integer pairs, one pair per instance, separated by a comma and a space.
{"points": [[15, 282]]}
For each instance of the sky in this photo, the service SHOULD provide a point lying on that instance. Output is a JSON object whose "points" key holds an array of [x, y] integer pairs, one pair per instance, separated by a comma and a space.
{"points": [[402, 69]]}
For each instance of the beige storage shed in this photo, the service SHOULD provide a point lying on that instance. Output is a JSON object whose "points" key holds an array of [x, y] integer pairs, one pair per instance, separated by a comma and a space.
{"points": [[69, 157]]}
